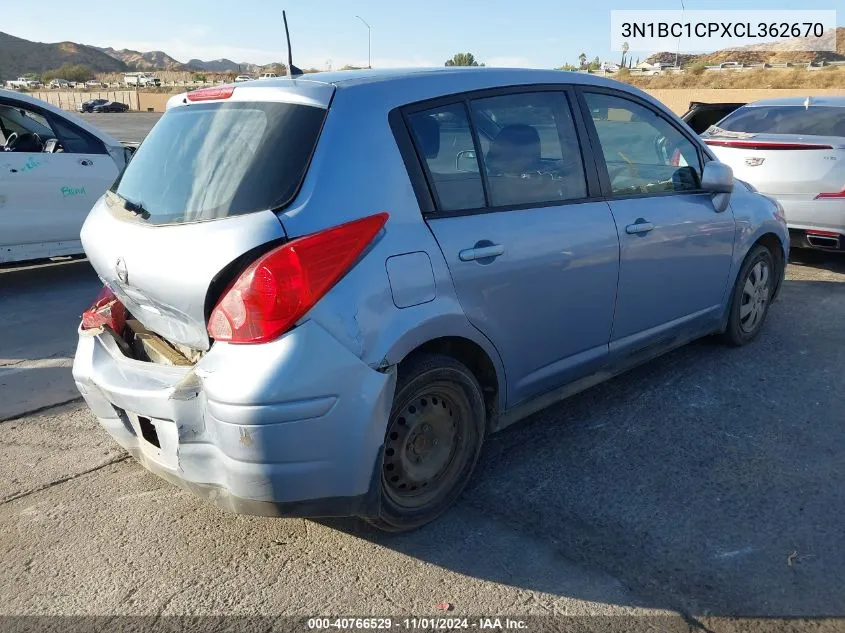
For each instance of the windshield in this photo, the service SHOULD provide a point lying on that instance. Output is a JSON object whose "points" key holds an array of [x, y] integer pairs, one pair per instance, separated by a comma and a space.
{"points": [[814, 120], [209, 161]]}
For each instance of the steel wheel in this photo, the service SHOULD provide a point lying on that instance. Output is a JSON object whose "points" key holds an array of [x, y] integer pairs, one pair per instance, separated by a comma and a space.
{"points": [[432, 442], [422, 445], [756, 292]]}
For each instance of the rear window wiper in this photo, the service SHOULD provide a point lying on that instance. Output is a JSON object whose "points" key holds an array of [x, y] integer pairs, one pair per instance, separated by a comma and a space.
{"points": [[137, 208]]}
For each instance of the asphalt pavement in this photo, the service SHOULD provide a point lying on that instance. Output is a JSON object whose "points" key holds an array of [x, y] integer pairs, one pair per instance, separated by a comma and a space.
{"points": [[706, 483], [129, 127]]}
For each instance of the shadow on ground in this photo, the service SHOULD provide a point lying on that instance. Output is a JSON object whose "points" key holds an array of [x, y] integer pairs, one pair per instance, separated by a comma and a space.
{"points": [[708, 481]]}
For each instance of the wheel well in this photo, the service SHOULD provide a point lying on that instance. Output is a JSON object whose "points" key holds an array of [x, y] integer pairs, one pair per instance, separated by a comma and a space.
{"points": [[771, 242], [477, 361]]}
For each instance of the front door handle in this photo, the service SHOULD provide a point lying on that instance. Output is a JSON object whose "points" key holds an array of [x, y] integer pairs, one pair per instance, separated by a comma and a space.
{"points": [[481, 252], [639, 227]]}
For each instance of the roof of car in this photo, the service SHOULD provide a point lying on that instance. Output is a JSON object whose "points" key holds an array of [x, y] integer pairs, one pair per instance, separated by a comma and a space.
{"points": [[344, 78], [825, 100], [399, 86]]}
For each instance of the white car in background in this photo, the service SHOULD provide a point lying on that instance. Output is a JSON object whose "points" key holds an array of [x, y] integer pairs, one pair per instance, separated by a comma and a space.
{"points": [[241, 78], [53, 167], [793, 150]]}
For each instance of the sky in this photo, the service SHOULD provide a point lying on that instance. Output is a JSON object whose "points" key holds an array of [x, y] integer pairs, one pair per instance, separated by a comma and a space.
{"points": [[539, 33]]}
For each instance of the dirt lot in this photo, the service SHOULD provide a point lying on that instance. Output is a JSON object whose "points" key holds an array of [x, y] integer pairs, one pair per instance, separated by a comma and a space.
{"points": [[706, 483]]}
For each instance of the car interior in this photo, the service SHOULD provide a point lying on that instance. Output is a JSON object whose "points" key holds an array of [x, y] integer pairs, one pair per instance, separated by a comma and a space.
{"points": [[517, 170], [22, 131]]}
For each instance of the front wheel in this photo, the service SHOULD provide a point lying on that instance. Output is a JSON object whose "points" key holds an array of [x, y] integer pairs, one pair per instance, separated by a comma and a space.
{"points": [[433, 440], [751, 297]]}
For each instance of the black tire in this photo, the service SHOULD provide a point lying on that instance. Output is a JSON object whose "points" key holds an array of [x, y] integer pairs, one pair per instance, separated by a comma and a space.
{"points": [[748, 310], [432, 442]]}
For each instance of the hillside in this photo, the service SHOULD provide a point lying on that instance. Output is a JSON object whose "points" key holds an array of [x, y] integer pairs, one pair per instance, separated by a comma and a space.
{"points": [[19, 56], [152, 60], [775, 53], [222, 66]]}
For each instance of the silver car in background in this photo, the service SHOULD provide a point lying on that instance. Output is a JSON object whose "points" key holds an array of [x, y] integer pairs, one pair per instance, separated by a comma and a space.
{"points": [[323, 293], [792, 149]]}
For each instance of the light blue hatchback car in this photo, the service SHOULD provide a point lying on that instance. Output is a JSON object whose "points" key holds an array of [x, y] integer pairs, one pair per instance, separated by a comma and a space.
{"points": [[323, 293]]}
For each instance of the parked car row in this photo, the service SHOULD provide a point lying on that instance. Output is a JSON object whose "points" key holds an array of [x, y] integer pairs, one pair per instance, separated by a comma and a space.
{"points": [[102, 105], [242, 78]]}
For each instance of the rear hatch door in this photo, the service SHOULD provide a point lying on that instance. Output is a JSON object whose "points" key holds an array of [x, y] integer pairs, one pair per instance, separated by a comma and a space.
{"points": [[197, 201], [783, 163]]}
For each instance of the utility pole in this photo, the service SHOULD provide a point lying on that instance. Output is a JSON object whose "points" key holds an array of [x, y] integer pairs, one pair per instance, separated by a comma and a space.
{"points": [[678, 51], [369, 48]]}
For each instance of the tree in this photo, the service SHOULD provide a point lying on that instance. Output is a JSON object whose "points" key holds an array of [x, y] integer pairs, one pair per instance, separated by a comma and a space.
{"points": [[595, 64], [463, 59], [69, 72], [582, 60], [624, 52]]}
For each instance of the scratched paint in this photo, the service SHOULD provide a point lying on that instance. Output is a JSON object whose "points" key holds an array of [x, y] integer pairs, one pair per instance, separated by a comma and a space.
{"points": [[31, 163], [72, 192]]}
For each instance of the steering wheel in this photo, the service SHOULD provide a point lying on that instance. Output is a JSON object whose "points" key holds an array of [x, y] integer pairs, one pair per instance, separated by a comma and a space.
{"points": [[10, 141]]}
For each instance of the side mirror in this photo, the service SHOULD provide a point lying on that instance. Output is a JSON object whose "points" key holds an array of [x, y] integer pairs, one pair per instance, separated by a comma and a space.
{"points": [[466, 161], [718, 179]]}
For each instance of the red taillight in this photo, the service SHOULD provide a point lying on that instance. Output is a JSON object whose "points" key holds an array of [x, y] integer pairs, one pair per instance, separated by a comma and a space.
{"points": [[281, 286], [822, 233], [835, 194], [764, 145], [207, 94], [106, 310]]}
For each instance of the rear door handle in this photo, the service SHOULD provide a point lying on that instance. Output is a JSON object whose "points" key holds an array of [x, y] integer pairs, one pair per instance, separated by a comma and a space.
{"points": [[639, 227], [481, 252]]}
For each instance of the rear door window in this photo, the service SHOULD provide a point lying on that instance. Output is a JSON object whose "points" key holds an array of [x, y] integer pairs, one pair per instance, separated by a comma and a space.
{"points": [[812, 121], [523, 150], [72, 140], [643, 151], [208, 161], [531, 153], [444, 140]]}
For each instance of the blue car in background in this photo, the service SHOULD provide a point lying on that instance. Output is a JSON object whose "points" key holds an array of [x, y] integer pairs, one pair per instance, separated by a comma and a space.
{"points": [[322, 293]]}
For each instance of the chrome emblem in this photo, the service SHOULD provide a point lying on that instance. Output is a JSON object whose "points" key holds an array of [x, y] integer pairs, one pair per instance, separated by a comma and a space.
{"points": [[122, 272], [753, 161]]}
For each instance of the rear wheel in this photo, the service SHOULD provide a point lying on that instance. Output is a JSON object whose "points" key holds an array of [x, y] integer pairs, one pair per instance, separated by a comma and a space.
{"points": [[751, 297], [433, 441]]}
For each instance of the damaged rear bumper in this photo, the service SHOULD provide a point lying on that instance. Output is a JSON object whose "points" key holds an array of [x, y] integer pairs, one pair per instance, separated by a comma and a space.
{"points": [[294, 427]]}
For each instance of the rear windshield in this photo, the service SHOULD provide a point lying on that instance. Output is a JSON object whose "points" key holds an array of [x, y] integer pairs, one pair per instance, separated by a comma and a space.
{"points": [[814, 120], [214, 160]]}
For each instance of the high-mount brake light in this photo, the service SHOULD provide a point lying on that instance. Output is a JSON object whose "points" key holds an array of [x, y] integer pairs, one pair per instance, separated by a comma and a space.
{"points": [[763, 145], [210, 94]]}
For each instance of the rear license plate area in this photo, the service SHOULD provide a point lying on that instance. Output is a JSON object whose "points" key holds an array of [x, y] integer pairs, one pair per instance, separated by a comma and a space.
{"points": [[157, 439]]}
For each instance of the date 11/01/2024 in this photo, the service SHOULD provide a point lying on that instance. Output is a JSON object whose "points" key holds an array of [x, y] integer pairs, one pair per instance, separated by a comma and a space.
{"points": [[446, 624]]}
